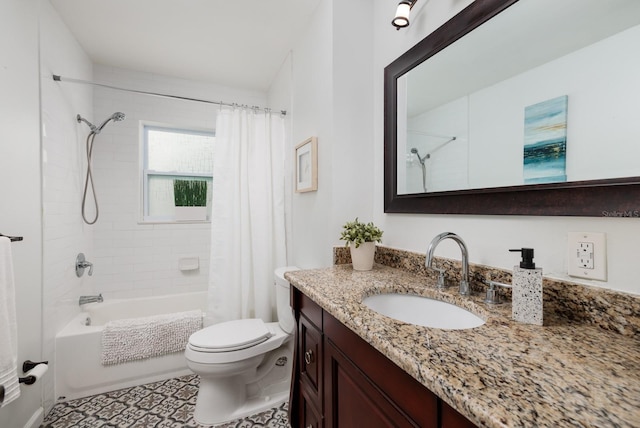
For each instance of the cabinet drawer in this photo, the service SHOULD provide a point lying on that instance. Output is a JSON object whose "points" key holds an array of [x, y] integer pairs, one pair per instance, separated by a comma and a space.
{"points": [[311, 310], [310, 358]]}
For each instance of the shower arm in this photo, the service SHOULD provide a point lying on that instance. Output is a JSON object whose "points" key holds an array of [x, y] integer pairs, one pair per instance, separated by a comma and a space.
{"points": [[81, 119]]}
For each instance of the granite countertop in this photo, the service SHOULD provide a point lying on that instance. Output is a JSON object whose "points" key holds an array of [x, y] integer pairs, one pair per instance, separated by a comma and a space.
{"points": [[502, 374]]}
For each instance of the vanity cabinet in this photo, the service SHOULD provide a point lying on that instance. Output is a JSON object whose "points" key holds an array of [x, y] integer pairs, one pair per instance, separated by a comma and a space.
{"points": [[342, 381]]}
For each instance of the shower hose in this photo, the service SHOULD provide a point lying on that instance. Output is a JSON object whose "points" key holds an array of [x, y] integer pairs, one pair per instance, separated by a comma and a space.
{"points": [[89, 180]]}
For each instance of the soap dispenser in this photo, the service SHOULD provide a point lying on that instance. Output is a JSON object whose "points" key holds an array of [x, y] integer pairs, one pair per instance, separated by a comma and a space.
{"points": [[527, 289]]}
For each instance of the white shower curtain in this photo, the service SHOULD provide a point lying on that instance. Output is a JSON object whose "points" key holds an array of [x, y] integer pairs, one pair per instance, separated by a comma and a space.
{"points": [[247, 220]]}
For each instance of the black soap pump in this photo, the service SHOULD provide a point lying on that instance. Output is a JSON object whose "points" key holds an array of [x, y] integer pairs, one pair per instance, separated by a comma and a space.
{"points": [[527, 257], [527, 289]]}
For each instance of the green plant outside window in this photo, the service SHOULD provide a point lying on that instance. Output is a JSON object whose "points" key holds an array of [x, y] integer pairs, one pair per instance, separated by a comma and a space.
{"points": [[190, 193]]}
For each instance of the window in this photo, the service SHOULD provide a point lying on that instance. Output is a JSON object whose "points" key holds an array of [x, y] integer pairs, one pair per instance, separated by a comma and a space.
{"points": [[169, 154]]}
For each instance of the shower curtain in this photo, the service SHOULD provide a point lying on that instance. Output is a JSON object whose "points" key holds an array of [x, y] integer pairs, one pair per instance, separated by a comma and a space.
{"points": [[247, 220]]}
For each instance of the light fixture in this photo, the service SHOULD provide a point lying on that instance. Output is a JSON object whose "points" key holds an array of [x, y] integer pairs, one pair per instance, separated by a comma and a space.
{"points": [[401, 19]]}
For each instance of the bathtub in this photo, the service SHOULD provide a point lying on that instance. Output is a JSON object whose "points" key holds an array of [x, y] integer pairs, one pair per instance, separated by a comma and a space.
{"points": [[78, 370]]}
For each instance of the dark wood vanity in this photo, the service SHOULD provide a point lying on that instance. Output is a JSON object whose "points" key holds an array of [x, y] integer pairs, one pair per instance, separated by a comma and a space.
{"points": [[341, 381]]}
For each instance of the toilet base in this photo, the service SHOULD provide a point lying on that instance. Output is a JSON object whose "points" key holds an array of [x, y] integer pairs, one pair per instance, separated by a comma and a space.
{"points": [[225, 398], [211, 410], [203, 415]]}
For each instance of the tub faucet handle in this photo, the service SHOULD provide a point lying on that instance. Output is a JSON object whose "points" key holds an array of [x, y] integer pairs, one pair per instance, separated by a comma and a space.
{"points": [[82, 264]]}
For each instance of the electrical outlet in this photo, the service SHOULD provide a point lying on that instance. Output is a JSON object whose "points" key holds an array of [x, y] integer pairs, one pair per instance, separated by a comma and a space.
{"points": [[587, 255]]}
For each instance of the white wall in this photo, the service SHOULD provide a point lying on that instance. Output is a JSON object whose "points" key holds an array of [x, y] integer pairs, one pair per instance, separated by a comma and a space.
{"points": [[63, 166], [280, 97], [332, 100], [130, 258], [312, 82], [20, 197], [488, 237], [352, 156]]}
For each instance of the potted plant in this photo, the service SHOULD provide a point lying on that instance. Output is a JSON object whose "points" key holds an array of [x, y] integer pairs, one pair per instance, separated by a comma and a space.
{"points": [[190, 198], [361, 239]]}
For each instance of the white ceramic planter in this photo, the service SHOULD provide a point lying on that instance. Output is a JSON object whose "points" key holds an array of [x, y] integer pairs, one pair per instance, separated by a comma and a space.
{"points": [[362, 257], [190, 213]]}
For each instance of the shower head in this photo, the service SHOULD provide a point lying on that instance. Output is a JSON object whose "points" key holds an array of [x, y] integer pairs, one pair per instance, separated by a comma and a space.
{"points": [[116, 117], [421, 159]]}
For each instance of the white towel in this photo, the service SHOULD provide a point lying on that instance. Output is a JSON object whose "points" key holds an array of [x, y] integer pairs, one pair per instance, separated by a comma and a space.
{"points": [[8, 325], [138, 338]]}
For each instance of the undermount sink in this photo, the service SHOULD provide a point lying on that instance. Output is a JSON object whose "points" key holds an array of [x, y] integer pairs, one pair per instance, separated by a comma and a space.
{"points": [[423, 311]]}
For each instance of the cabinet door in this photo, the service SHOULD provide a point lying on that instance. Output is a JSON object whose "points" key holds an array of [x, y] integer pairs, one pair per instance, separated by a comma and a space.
{"points": [[352, 400], [309, 415], [310, 360], [417, 405]]}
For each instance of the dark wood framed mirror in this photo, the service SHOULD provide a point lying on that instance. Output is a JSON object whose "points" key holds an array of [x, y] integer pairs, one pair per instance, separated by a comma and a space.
{"points": [[593, 197]]}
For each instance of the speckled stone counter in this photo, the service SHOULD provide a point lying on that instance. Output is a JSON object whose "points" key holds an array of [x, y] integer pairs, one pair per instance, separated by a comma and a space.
{"points": [[502, 374]]}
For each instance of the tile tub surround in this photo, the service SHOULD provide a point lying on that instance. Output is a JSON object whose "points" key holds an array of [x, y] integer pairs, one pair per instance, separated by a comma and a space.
{"points": [[610, 310], [502, 374]]}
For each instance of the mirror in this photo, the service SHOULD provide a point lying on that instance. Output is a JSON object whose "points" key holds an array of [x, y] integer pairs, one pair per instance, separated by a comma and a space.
{"points": [[518, 107]]}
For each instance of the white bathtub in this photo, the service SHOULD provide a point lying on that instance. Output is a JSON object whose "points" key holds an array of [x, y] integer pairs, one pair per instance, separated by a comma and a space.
{"points": [[78, 370]]}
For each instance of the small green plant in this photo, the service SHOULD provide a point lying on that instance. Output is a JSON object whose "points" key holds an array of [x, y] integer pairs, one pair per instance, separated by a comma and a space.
{"points": [[357, 233], [190, 193]]}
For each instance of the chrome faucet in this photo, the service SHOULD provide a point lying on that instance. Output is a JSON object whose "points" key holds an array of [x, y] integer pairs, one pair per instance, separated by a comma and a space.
{"points": [[90, 299], [464, 282]]}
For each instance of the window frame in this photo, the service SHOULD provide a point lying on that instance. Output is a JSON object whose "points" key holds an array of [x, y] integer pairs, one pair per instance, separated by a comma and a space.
{"points": [[145, 172]]}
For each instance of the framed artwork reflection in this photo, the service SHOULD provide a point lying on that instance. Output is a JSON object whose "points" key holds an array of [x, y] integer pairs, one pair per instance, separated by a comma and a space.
{"points": [[306, 154]]}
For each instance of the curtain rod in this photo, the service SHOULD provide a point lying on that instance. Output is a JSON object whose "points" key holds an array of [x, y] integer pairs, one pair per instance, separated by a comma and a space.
{"points": [[59, 78]]}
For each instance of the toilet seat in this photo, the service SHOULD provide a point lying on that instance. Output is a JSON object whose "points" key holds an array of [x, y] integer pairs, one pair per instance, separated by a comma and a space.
{"points": [[207, 355], [230, 336]]}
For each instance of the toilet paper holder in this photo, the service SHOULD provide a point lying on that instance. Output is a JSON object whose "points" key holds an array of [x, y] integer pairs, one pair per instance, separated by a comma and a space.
{"points": [[27, 366]]}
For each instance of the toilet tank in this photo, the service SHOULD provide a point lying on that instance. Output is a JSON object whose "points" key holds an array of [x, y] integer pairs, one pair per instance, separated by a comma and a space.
{"points": [[285, 315]]}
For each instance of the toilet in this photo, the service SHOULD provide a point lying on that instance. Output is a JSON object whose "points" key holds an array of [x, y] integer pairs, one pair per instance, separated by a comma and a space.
{"points": [[244, 365]]}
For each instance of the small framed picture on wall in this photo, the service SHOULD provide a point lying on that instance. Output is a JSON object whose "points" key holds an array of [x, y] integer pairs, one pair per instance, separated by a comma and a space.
{"points": [[307, 165]]}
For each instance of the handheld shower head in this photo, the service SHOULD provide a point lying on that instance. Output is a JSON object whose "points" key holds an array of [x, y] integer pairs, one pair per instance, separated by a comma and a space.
{"points": [[116, 117], [420, 158]]}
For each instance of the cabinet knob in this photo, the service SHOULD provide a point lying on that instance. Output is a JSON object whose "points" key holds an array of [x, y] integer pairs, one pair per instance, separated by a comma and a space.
{"points": [[308, 357]]}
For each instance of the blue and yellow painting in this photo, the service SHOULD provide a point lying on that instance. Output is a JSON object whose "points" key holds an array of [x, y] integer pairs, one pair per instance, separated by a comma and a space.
{"points": [[545, 141]]}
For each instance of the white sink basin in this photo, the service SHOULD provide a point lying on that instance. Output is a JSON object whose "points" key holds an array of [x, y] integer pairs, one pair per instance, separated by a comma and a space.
{"points": [[423, 311]]}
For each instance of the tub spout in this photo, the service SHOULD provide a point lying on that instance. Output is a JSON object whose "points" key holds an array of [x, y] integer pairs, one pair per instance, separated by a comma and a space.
{"points": [[90, 299]]}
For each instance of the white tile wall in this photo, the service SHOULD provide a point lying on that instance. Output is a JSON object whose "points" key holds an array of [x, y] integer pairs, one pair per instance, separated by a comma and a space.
{"points": [[132, 258], [64, 234]]}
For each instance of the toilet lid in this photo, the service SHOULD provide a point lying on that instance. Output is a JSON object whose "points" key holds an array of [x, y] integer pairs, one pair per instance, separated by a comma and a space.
{"points": [[230, 335]]}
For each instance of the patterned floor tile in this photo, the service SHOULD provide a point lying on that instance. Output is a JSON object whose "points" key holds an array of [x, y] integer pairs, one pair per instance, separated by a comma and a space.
{"points": [[164, 404]]}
